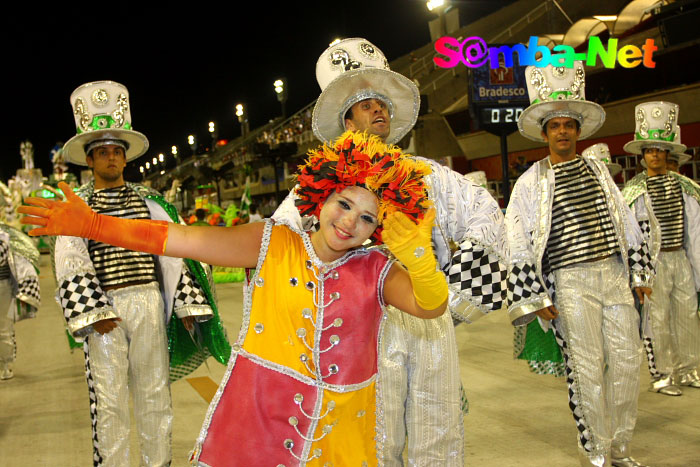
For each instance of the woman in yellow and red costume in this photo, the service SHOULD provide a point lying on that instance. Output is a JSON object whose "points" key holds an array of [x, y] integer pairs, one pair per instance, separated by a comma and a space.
{"points": [[301, 384]]}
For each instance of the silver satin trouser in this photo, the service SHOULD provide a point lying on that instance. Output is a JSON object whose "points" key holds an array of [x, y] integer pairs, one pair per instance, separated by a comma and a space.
{"points": [[133, 356], [599, 327], [419, 391], [7, 323], [675, 325]]}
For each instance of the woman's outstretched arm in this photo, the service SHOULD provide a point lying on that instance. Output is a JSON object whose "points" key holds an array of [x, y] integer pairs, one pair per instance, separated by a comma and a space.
{"points": [[223, 246]]}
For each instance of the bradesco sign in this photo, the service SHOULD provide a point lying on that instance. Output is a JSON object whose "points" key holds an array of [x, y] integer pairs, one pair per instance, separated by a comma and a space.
{"points": [[474, 53]]}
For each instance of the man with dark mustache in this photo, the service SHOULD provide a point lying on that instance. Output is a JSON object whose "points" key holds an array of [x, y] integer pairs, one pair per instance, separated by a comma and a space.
{"points": [[576, 252]]}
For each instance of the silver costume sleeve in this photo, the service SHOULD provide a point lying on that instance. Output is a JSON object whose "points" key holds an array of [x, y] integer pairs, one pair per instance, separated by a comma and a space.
{"points": [[79, 292], [692, 236], [27, 280], [526, 294], [638, 255], [470, 243], [190, 299]]}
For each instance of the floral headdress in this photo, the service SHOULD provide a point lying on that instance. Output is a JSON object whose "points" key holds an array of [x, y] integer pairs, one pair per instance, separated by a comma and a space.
{"points": [[361, 159]]}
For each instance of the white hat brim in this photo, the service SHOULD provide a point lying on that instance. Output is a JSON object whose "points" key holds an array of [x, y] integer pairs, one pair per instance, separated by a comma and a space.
{"points": [[636, 146], [354, 85], [74, 149], [614, 168], [529, 123]]}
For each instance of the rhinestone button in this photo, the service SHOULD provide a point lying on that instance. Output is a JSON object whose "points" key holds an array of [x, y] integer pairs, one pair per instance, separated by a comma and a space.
{"points": [[236, 347], [327, 428], [338, 322], [306, 313], [293, 421], [301, 332], [317, 452], [335, 275], [293, 281], [309, 264], [288, 443], [333, 368], [303, 357], [330, 405], [259, 281], [335, 339], [418, 252], [310, 285], [298, 398], [335, 295], [259, 328]]}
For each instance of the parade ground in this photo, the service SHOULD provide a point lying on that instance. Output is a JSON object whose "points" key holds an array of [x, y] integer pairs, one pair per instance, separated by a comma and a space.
{"points": [[516, 418]]}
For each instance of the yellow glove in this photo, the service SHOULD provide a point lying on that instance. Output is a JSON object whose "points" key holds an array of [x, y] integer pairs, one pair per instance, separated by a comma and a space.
{"points": [[411, 244]]}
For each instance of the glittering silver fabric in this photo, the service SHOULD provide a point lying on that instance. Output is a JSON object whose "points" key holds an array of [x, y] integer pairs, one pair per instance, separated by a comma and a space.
{"points": [[674, 320], [599, 327], [7, 326], [427, 411], [133, 356]]}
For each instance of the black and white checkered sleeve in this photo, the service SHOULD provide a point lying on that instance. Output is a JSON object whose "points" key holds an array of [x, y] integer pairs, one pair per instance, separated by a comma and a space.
{"points": [[29, 291], [645, 227], [640, 265], [190, 299], [83, 302], [477, 275], [4, 253], [523, 283]]}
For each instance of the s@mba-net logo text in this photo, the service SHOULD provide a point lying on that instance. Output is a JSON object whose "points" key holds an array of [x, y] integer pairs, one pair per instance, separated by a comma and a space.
{"points": [[473, 52]]}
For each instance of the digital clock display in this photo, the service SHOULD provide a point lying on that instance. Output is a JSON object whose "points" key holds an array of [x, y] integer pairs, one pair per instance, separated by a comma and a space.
{"points": [[500, 115]]}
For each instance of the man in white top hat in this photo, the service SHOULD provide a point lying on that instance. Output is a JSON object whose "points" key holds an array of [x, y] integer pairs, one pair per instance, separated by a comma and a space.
{"points": [[419, 389], [576, 253], [119, 302], [667, 206]]}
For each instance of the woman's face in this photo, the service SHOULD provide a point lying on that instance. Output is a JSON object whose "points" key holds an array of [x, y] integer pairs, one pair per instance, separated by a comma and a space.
{"points": [[347, 220]]}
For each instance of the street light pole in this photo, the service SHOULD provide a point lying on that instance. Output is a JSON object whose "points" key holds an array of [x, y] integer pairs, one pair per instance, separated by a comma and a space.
{"points": [[192, 141], [242, 115], [281, 90], [212, 131]]}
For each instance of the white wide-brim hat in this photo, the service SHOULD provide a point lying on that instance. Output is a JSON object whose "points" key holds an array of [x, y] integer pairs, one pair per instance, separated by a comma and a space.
{"points": [[102, 113], [74, 149], [558, 92], [351, 71], [656, 126]]}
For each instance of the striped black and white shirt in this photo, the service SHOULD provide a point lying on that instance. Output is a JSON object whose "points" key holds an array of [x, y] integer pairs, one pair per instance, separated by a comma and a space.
{"points": [[667, 203], [116, 266], [581, 229]]}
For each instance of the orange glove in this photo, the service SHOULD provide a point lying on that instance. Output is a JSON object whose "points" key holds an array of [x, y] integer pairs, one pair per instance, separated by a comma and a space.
{"points": [[74, 218], [412, 246]]}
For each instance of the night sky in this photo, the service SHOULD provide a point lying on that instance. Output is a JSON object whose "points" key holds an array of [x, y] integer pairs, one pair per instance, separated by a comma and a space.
{"points": [[184, 66]]}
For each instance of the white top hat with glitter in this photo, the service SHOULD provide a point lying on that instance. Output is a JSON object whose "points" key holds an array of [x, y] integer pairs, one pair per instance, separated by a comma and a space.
{"points": [[558, 92], [601, 152], [656, 126], [102, 113], [351, 71]]}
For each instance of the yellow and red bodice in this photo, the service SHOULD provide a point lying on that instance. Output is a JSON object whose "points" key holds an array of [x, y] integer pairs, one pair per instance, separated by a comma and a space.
{"points": [[300, 389]]}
